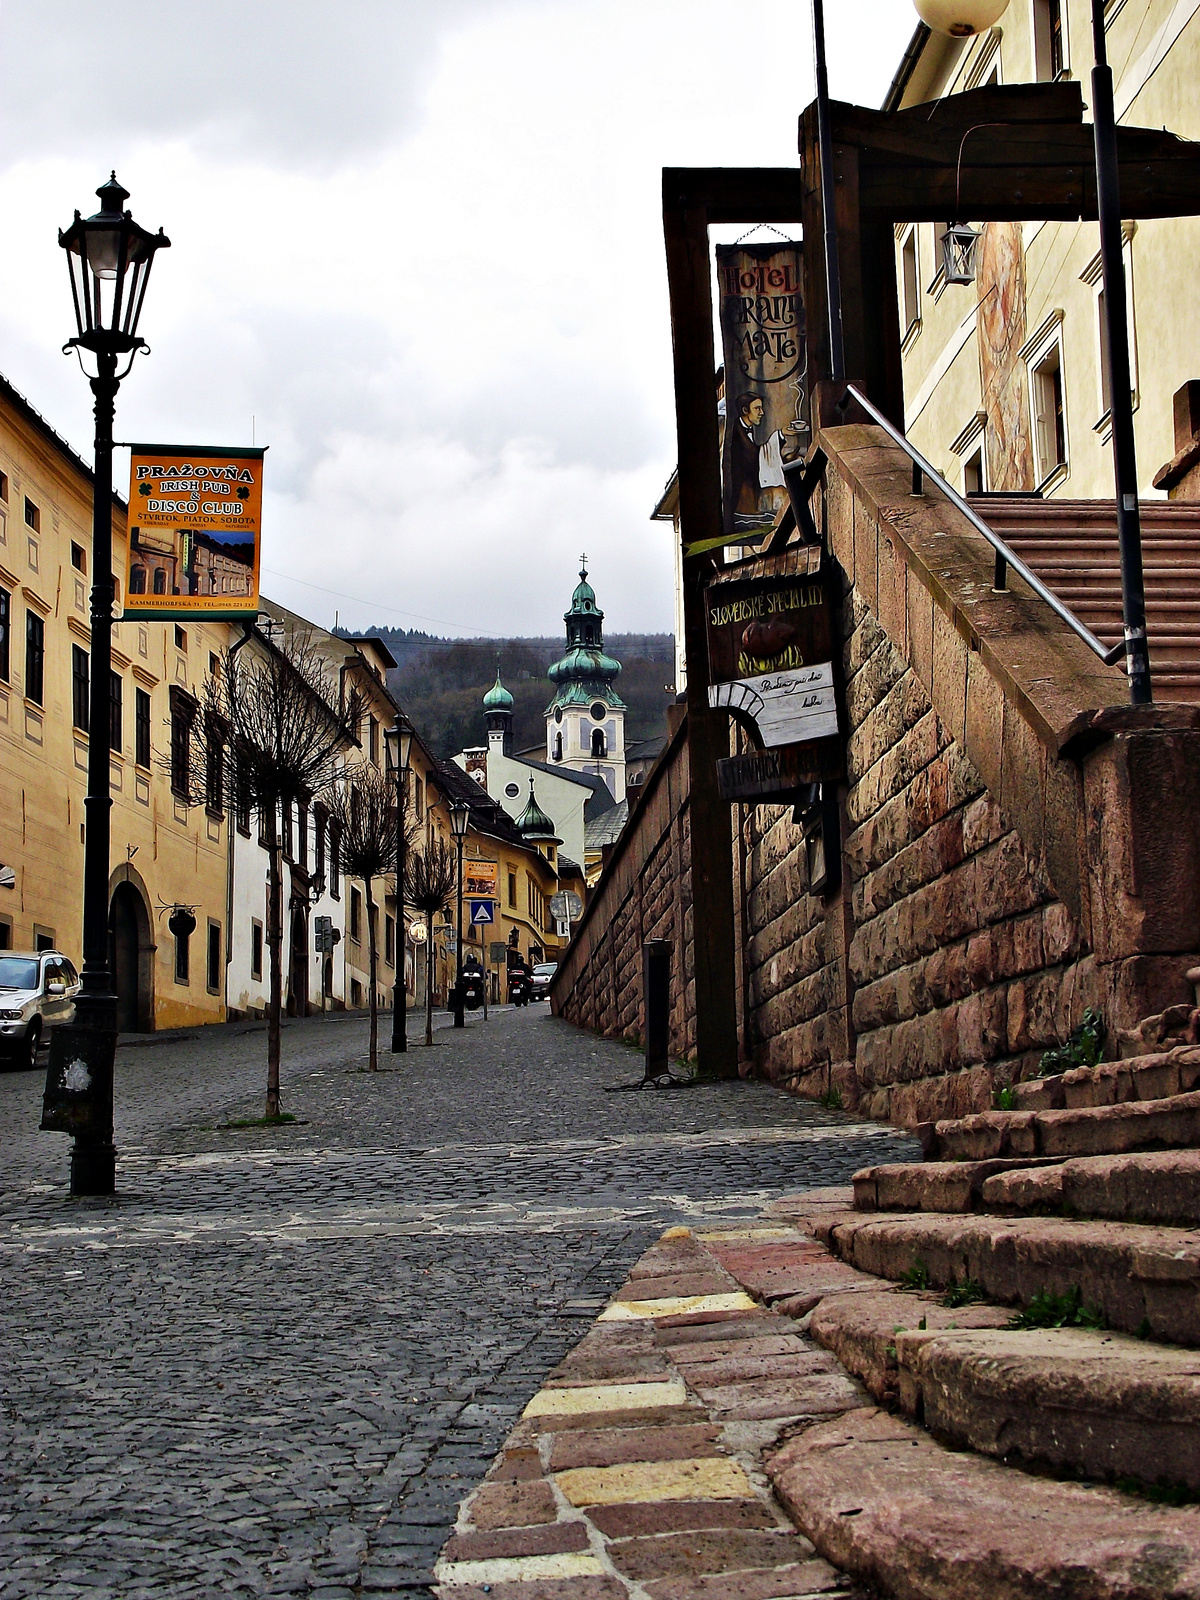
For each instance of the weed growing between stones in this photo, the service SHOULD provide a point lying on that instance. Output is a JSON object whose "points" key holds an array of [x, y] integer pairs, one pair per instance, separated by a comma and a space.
{"points": [[1005, 1100], [1084, 1048], [917, 1276], [1050, 1310], [966, 1292], [832, 1100]]}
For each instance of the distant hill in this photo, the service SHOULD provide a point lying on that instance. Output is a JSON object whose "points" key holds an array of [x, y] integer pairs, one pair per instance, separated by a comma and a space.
{"points": [[441, 682]]}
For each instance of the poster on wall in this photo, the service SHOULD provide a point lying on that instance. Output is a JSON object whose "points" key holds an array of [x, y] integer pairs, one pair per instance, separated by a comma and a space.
{"points": [[479, 880], [767, 428], [195, 522], [771, 647]]}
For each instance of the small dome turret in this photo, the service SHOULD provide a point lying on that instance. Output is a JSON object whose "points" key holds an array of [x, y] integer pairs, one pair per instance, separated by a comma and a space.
{"points": [[533, 822], [497, 698]]}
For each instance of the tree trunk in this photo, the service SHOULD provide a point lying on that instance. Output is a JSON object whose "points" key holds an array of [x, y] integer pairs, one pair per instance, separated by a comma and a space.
{"points": [[372, 946], [275, 952], [429, 962]]}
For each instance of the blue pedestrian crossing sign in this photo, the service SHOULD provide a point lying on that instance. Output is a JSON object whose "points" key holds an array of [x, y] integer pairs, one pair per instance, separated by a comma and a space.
{"points": [[482, 911]]}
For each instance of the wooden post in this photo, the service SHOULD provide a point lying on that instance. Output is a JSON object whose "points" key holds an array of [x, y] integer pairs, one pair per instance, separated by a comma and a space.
{"points": [[690, 283]]}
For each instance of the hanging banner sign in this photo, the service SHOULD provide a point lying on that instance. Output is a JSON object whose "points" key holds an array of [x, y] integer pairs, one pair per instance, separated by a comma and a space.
{"points": [[195, 521], [479, 880], [766, 397], [771, 647]]}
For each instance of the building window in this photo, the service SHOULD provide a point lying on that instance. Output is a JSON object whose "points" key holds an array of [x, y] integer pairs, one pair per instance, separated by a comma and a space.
{"points": [[1049, 414], [141, 727], [558, 754], [180, 638], [5, 622], [78, 557], [6, 938], [182, 957], [302, 836], [319, 840], [1049, 42], [137, 579], [598, 746], [910, 296], [214, 957], [35, 656], [183, 712], [389, 940], [356, 994], [79, 688], [160, 581], [243, 805], [373, 739], [974, 474], [288, 842], [335, 861], [264, 836], [115, 698], [355, 916], [4, 487], [33, 517], [256, 948], [512, 889], [214, 772]]}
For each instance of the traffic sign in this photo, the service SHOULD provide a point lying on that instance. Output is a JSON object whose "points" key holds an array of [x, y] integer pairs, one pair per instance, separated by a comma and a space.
{"points": [[482, 911], [566, 906]]}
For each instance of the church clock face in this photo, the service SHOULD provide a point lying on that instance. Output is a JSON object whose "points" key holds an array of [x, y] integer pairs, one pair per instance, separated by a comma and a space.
{"points": [[599, 710]]}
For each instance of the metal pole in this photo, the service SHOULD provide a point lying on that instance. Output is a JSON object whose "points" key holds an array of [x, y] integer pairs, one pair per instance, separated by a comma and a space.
{"points": [[400, 988], [833, 281], [460, 1020], [1116, 342], [94, 1157]]}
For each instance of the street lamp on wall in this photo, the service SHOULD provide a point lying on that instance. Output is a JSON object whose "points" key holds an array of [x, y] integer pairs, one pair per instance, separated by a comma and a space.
{"points": [[399, 740], [460, 821], [959, 245], [109, 257]]}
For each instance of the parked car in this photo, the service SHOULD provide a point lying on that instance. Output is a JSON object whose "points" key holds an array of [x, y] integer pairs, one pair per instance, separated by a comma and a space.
{"points": [[543, 976], [37, 992]]}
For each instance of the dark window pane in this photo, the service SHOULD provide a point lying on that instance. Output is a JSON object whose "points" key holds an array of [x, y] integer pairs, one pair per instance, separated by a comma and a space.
{"points": [[142, 728], [79, 687], [214, 956], [35, 656], [5, 624], [115, 694]]}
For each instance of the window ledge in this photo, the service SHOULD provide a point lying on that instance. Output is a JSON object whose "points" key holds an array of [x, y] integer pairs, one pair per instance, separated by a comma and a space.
{"points": [[1054, 478], [911, 335]]}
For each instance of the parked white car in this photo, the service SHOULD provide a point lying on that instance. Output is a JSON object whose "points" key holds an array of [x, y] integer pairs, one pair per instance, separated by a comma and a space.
{"points": [[37, 992], [543, 976]]}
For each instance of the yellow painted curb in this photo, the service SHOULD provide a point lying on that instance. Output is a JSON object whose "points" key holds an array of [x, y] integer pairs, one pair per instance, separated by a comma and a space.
{"points": [[705, 1478], [520, 1569], [679, 1305], [606, 1397]]}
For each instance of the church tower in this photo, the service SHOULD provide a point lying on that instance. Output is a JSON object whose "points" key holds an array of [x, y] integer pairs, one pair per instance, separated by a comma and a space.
{"points": [[498, 708], [585, 721]]}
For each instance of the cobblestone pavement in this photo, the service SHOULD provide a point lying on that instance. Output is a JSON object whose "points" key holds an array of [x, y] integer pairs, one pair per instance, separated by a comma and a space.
{"points": [[276, 1363]]}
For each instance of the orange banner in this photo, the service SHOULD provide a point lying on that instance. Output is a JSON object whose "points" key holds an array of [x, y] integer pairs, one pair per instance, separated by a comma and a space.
{"points": [[195, 522]]}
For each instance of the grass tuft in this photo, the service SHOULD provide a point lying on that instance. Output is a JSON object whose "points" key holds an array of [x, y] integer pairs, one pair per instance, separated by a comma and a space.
{"points": [[1050, 1310], [966, 1292]]}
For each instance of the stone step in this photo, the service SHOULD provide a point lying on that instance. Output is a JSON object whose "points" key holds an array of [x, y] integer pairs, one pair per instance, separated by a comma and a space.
{"points": [[1139, 1279], [1158, 1076], [946, 1186], [882, 1500], [1097, 1404], [1155, 1186], [1172, 1123]]}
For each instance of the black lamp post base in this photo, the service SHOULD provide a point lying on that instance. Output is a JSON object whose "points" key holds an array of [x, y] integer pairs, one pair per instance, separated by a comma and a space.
{"points": [[93, 1168]]}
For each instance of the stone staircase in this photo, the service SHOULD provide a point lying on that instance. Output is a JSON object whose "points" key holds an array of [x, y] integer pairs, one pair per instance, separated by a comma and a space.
{"points": [[1072, 546]]}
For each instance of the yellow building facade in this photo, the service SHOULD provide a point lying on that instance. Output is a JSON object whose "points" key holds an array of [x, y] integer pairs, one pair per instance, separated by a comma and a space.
{"points": [[164, 853], [1004, 382]]}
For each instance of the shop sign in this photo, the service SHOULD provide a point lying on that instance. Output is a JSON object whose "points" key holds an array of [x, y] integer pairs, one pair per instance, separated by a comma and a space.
{"points": [[761, 313], [195, 526], [771, 648], [479, 880]]}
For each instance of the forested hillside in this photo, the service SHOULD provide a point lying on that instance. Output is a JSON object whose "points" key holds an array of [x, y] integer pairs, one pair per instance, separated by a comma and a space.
{"points": [[441, 682]]}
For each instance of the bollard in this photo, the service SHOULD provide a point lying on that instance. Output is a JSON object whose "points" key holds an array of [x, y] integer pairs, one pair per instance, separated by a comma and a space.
{"points": [[656, 1006]]}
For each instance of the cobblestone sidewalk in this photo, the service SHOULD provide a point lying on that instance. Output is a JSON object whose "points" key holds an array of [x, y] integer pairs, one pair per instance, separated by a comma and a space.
{"points": [[280, 1360]]}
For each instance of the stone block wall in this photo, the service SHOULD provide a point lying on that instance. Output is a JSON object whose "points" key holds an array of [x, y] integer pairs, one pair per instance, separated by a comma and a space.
{"points": [[1017, 843], [645, 893]]}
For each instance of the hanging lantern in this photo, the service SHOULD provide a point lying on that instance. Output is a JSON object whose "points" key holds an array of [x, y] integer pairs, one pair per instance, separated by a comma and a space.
{"points": [[960, 18], [959, 244]]}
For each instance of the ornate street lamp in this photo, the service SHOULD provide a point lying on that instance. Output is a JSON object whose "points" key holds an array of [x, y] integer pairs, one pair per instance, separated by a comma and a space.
{"points": [[959, 244], [109, 257], [460, 821], [399, 745], [960, 18]]}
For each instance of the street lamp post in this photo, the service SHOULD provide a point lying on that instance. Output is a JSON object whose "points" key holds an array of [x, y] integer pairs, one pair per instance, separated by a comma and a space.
{"points": [[109, 257], [460, 818], [399, 741]]}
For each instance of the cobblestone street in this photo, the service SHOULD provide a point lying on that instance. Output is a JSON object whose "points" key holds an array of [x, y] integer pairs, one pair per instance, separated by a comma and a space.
{"points": [[278, 1361]]}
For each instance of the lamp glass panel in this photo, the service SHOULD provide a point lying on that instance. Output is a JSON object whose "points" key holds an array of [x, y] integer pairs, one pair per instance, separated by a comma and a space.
{"points": [[103, 251]]}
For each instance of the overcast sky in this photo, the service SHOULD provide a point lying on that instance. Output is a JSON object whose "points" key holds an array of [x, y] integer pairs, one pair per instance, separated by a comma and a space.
{"points": [[419, 242]]}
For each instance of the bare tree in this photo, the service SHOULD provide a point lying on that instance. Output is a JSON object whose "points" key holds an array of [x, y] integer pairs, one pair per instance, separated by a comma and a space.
{"points": [[431, 882], [271, 732], [364, 809]]}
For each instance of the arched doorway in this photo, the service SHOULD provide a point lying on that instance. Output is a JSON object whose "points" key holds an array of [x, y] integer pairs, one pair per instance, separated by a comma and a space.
{"points": [[131, 954], [298, 987]]}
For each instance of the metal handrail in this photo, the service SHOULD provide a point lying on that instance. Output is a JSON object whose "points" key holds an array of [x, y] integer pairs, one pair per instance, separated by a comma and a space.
{"points": [[1004, 556]]}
